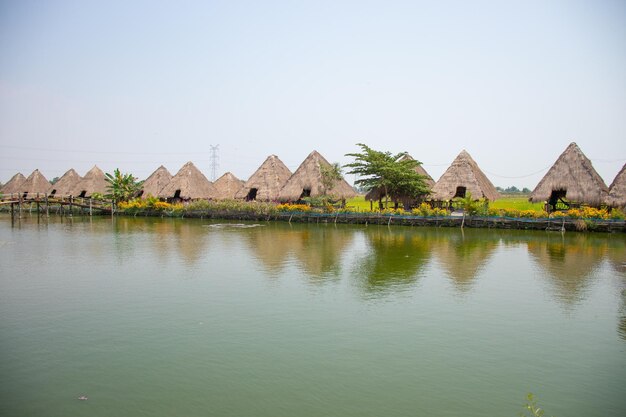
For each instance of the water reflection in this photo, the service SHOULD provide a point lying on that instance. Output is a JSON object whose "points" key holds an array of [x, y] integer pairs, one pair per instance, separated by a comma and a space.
{"points": [[394, 259], [569, 261], [186, 237], [462, 254], [316, 250]]}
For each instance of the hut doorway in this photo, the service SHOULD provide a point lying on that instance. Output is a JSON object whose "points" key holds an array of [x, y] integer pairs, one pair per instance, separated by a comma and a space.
{"points": [[83, 194], [252, 194], [306, 192], [460, 192], [53, 192], [557, 200], [177, 194]]}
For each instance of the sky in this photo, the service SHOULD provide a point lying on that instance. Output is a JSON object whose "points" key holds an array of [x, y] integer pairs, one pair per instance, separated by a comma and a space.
{"points": [[138, 84]]}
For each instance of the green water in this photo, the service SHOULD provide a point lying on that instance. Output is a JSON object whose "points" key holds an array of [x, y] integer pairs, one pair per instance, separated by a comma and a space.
{"points": [[161, 317]]}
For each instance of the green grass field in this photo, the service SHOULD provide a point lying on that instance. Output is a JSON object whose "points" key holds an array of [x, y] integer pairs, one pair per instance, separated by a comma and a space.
{"points": [[510, 202]]}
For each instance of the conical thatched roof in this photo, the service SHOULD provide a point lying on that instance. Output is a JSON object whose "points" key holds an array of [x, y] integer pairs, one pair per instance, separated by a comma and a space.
{"points": [[573, 173], [189, 184], [156, 182], [464, 172], [266, 182], [617, 190], [378, 193], [66, 184], [34, 184], [92, 182], [308, 177], [13, 185], [227, 186]]}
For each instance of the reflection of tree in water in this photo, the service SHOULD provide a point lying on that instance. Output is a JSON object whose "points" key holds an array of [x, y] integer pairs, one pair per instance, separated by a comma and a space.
{"points": [[394, 258], [569, 260], [316, 249], [462, 254]]}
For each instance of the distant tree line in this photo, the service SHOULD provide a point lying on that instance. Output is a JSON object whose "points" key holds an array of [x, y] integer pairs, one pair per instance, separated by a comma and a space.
{"points": [[513, 190]]}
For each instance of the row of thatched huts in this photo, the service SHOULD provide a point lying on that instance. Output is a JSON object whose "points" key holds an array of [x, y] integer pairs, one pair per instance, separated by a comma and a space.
{"points": [[272, 181], [572, 179]]}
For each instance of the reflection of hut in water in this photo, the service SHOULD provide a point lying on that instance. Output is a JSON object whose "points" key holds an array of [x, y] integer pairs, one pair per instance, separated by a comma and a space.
{"points": [[35, 184], [271, 245], [394, 259], [227, 186], [572, 179], [65, 184], [155, 182], [13, 185], [93, 182], [569, 261], [188, 184], [307, 181], [617, 190], [464, 255], [317, 250], [462, 177], [377, 194], [266, 182]]}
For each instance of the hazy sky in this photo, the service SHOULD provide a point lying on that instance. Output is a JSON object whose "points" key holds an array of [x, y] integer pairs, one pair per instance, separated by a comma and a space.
{"points": [[137, 84]]}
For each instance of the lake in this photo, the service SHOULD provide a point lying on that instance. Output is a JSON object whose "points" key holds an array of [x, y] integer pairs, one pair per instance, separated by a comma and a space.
{"points": [[185, 317]]}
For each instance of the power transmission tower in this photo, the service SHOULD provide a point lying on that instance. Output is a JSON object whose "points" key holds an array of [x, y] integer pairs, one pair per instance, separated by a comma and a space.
{"points": [[215, 158]]}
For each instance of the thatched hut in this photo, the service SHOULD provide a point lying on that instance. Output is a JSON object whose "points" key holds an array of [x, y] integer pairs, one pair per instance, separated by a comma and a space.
{"points": [[66, 184], [572, 178], [307, 181], [227, 186], [36, 183], [378, 193], [155, 182], [266, 182], [462, 177], [13, 185], [93, 182], [188, 184], [617, 190]]}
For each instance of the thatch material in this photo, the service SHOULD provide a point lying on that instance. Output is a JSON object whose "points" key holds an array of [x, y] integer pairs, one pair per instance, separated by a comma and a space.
{"points": [[13, 185], [464, 173], [189, 184], [617, 190], [66, 184], [36, 183], [93, 182], [376, 194], [266, 182], [227, 186], [572, 173], [158, 180], [307, 181]]}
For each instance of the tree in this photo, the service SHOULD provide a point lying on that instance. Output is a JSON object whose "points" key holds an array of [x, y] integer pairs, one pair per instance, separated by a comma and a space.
{"points": [[331, 174], [54, 180], [393, 175], [122, 187]]}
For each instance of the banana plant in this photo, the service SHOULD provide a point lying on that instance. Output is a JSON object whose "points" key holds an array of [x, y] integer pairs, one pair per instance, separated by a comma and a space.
{"points": [[122, 187]]}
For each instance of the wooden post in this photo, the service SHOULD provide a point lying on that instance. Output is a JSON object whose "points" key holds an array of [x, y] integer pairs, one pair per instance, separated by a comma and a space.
{"points": [[38, 206], [90, 206], [47, 207], [71, 200], [19, 206]]}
